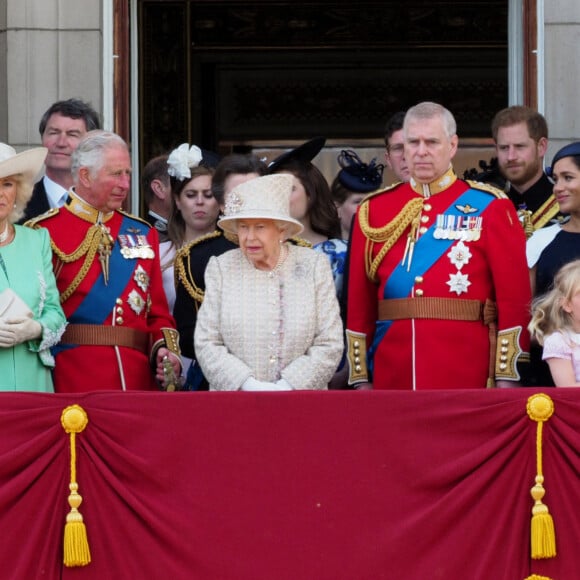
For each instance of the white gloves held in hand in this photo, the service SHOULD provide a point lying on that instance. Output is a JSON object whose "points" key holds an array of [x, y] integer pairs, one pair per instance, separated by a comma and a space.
{"points": [[251, 384], [17, 330]]}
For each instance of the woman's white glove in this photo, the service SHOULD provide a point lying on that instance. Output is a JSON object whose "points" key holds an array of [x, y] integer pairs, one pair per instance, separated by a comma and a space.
{"points": [[283, 385], [251, 384], [18, 330]]}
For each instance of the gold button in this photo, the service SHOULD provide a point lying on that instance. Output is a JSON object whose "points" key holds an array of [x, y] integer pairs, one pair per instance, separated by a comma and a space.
{"points": [[357, 368], [504, 349], [503, 366], [422, 230], [119, 310], [505, 341], [119, 320], [419, 292], [503, 358], [356, 343], [357, 360], [427, 207], [418, 279], [424, 219], [118, 302], [356, 351]]}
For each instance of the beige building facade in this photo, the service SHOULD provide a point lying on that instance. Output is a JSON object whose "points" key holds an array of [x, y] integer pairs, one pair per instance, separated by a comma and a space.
{"points": [[57, 49]]}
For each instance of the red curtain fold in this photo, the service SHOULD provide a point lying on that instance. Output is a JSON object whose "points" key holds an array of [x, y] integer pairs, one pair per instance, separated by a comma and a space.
{"points": [[286, 486]]}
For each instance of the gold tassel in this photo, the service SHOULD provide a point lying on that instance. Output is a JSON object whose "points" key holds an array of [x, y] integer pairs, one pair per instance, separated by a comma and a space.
{"points": [[76, 544], [540, 408]]}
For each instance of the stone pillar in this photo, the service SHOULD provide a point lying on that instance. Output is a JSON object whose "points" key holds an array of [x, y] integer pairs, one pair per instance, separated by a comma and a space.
{"points": [[49, 50], [562, 82]]}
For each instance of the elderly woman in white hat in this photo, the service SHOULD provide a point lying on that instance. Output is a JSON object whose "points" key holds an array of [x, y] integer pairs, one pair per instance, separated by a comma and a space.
{"points": [[31, 319], [270, 318]]}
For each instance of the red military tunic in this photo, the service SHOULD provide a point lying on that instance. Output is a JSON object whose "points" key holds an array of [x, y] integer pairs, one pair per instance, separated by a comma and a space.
{"points": [[461, 250], [132, 299]]}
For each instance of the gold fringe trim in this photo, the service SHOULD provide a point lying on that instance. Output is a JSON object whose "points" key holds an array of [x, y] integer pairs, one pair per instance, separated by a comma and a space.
{"points": [[536, 577], [540, 408], [76, 545]]}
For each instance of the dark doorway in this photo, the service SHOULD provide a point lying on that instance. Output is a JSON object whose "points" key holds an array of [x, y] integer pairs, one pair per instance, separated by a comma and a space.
{"points": [[230, 74]]}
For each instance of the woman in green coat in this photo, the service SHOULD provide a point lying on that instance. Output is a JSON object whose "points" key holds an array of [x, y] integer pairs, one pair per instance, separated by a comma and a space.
{"points": [[31, 319]]}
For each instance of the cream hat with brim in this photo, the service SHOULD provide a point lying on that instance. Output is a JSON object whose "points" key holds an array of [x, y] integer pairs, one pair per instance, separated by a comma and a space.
{"points": [[28, 164], [266, 197]]}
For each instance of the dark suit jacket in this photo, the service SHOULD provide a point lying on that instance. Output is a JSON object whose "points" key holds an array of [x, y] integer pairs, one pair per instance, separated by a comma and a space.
{"points": [[38, 203]]}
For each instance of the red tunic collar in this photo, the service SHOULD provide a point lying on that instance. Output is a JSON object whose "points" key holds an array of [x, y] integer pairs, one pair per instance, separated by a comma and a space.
{"points": [[85, 211], [440, 184]]}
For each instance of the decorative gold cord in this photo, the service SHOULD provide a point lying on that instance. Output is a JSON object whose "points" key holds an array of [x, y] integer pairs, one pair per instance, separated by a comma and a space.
{"points": [[77, 552], [183, 273], [88, 248], [387, 234], [540, 408]]}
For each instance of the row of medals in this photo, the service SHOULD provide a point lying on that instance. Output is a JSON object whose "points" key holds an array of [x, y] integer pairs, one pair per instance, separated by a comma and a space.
{"points": [[451, 227], [132, 250]]}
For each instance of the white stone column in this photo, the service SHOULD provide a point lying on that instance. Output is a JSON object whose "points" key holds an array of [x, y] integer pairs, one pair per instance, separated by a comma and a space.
{"points": [[50, 50]]}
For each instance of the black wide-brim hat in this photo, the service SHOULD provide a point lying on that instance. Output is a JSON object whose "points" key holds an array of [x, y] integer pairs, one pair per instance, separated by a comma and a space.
{"points": [[304, 153]]}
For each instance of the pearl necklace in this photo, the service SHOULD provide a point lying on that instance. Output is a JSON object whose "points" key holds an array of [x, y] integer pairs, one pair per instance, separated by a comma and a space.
{"points": [[281, 260], [4, 235]]}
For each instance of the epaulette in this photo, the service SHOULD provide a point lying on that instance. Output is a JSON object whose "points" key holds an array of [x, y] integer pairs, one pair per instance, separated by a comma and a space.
{"points": [[182, 266], [381, 190], [479, 185], [135, 217], [296, 241], [33, 222], [184, 250]]}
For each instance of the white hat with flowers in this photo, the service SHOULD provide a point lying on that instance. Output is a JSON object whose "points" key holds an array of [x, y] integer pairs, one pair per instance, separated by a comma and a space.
{"points": [[266, 197]]}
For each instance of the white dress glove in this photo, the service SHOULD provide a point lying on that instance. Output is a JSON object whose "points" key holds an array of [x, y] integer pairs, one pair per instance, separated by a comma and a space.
{"points": [[283, 385], [251, 384], [18, 330]]}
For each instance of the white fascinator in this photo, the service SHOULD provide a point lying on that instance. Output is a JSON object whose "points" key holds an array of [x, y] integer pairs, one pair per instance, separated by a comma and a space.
{"points": [[182, 159]]}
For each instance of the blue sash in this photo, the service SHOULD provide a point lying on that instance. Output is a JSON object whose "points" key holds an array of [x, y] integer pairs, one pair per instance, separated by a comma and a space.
{"points": [[101, 299], [427, 252]]}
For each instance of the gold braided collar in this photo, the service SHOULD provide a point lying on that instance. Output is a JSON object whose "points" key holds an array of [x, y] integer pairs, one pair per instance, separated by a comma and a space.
{"points": [[437, 186], [85, 211]]}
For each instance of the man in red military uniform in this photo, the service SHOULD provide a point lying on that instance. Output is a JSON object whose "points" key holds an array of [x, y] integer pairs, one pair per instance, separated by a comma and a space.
{"points": [[438, 284], [120, 333]]}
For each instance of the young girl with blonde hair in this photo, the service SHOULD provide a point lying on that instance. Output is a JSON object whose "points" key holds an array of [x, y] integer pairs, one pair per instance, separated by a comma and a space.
{"points": [[556, 325]]}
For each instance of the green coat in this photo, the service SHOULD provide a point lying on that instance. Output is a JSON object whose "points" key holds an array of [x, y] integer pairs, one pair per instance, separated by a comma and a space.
{"points": [[26, 267]]}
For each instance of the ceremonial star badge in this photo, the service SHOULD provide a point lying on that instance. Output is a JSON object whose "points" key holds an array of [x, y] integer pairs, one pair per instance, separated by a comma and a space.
{"points": [[136, 302], [141, 278], [459, 255], [458, 283]]}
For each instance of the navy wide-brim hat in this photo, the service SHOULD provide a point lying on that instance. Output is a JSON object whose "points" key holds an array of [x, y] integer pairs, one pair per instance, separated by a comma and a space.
{"points": [[304, 153], [571, 150]]}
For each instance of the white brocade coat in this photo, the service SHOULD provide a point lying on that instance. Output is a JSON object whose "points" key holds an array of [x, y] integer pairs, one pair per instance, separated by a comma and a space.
{"points": [[269, 325]]}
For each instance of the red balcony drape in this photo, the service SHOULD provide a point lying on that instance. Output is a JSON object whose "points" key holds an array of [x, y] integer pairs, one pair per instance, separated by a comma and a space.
{"points": [[288, 486]]}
